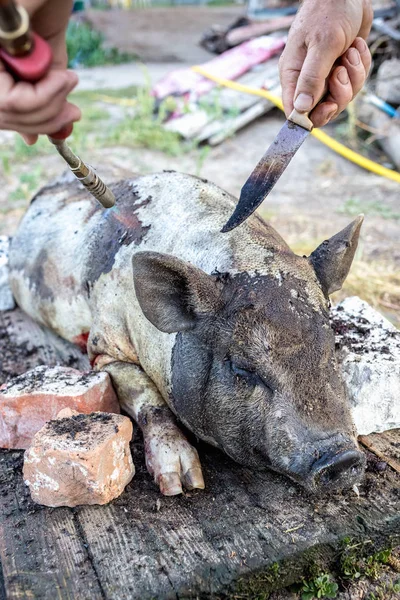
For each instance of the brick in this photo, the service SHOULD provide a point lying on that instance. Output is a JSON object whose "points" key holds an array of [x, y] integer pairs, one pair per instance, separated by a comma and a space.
{"points": [[80, 459], [28, 401]]}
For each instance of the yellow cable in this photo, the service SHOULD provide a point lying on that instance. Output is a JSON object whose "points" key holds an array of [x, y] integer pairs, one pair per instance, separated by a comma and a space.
{"points": [[323, 137]]}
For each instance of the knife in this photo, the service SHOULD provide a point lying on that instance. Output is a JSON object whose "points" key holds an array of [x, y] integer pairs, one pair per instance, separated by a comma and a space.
{"points": [[270, 168]]}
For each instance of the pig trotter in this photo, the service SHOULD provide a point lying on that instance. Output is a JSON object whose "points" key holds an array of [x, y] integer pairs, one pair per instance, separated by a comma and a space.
{"points": [[170, 459]]}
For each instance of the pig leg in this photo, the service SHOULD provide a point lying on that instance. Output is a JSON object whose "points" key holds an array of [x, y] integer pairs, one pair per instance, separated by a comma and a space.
{"points": [[170, 459]]}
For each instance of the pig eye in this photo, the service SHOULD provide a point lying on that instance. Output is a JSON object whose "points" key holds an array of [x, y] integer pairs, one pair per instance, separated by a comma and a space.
{"points": [[250, 377]]}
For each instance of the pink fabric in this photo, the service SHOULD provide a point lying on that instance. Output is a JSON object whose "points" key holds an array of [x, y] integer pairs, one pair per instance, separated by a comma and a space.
{"points": [[229, 65]]}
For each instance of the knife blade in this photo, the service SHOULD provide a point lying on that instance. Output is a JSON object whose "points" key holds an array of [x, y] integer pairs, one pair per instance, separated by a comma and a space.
{"points": [[270, 168]]}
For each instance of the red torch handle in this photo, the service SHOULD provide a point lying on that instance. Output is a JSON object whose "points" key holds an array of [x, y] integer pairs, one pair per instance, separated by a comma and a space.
{"points": [[32, 67]]}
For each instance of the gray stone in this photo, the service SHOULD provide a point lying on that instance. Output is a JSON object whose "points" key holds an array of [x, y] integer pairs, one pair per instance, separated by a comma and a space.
{"points": [[368, 348], [388, 81], [389, 134], [6, 297]]}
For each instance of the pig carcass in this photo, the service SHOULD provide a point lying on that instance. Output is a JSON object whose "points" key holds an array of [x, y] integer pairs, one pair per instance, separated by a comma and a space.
{"points": [[227, 333]]}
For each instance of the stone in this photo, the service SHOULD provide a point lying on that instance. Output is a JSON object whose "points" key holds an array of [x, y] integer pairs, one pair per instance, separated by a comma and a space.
{"points": [[7, 301], [389, 134], [368, 350], [388, 81], [28, 401], [80, 459]]}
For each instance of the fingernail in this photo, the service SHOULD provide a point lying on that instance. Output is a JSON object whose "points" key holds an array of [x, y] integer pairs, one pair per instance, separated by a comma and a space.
{"points": [[361, 45], [330, 116], [343, 76], [353, 57], [303, 102]]}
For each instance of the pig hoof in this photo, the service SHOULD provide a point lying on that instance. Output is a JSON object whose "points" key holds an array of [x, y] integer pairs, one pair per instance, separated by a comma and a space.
{"points": [[172, 461]]}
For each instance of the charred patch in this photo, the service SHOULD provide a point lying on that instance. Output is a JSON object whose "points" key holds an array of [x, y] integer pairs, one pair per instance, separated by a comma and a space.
{"points": [[118, 226], [153, 415], [36, 276]]}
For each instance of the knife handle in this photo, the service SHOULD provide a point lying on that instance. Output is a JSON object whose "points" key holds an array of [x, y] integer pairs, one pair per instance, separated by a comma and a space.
{"points": [[301, 119]]}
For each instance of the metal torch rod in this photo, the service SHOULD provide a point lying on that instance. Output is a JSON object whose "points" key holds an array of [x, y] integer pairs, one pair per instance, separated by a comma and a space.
{"points": [[85, 174]]}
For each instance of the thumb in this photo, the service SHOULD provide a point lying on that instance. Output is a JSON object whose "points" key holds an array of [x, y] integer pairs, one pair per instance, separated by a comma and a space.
{"points": [[311, 82]]}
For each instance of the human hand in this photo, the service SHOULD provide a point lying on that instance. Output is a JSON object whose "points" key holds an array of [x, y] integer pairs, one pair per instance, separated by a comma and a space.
{"points": [[41, 108], [326, 49]]}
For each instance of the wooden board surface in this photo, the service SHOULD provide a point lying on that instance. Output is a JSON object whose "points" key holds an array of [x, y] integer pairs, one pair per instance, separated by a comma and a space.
{"points": [[199, 545]]}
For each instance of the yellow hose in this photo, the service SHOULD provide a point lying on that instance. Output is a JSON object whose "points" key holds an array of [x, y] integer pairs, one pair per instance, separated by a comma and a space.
{"points": [[323, 137]]}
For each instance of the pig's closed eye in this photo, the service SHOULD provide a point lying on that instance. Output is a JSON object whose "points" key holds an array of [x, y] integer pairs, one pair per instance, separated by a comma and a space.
{"points": [[249, 377]]}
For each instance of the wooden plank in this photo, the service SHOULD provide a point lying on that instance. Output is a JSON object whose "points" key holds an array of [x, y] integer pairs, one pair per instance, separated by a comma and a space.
{"points": [[385, 446], [42, 553], [205, 542], [25, 345], [246, 117]]}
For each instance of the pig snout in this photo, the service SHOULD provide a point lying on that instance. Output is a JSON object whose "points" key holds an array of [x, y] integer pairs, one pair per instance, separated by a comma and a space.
{"points": [[337, 470], [328, 464]]}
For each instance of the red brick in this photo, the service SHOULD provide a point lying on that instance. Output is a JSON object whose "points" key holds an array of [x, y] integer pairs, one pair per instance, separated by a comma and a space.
{"points": [[28, 401], [80, 459]]}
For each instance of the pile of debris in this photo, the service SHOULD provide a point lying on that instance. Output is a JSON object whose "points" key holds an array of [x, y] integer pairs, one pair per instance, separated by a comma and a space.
{"points": [[248, 52]]}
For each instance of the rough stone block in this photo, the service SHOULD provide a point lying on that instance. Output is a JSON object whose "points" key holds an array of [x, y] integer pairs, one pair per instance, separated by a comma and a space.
{"points": [[7, 301], [28, 401], [388, 81], [368, 348], [80, 459]]}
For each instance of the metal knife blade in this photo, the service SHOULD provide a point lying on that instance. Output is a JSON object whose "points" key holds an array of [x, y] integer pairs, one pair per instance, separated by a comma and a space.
{"points": [[268, 170]]}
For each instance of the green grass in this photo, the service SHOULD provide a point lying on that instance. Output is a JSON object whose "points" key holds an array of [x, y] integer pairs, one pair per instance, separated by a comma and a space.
{"points": [[85, 47], [357, 561], [321, 586], [28, 184], [355, 206], [135, 127]]}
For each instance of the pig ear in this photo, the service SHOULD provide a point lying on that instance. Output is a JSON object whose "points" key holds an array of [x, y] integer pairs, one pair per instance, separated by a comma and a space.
{"points": [[332, 259], [172, 293]]}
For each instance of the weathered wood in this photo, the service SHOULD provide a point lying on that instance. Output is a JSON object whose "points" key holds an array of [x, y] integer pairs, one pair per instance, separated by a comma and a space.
{"points": [[202, 544], [385, 446], [42, 552], [25, 345]]}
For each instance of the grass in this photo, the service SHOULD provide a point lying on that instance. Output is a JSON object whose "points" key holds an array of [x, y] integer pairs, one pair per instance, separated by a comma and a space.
{"points": [[28, 184], [135, 125], [85, 47], [355, 206], [321, 586], [357, 561]]}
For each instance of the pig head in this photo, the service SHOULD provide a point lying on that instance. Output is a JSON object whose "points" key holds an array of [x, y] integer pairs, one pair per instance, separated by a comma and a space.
{"points": [[253, 364]]}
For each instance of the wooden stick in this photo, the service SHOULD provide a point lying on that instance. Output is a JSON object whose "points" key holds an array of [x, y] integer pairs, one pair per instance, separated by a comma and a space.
{"points": [[363, 439]]}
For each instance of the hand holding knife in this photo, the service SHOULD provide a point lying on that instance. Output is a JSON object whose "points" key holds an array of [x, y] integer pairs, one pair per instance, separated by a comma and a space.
{"points": [[326, 45]]}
